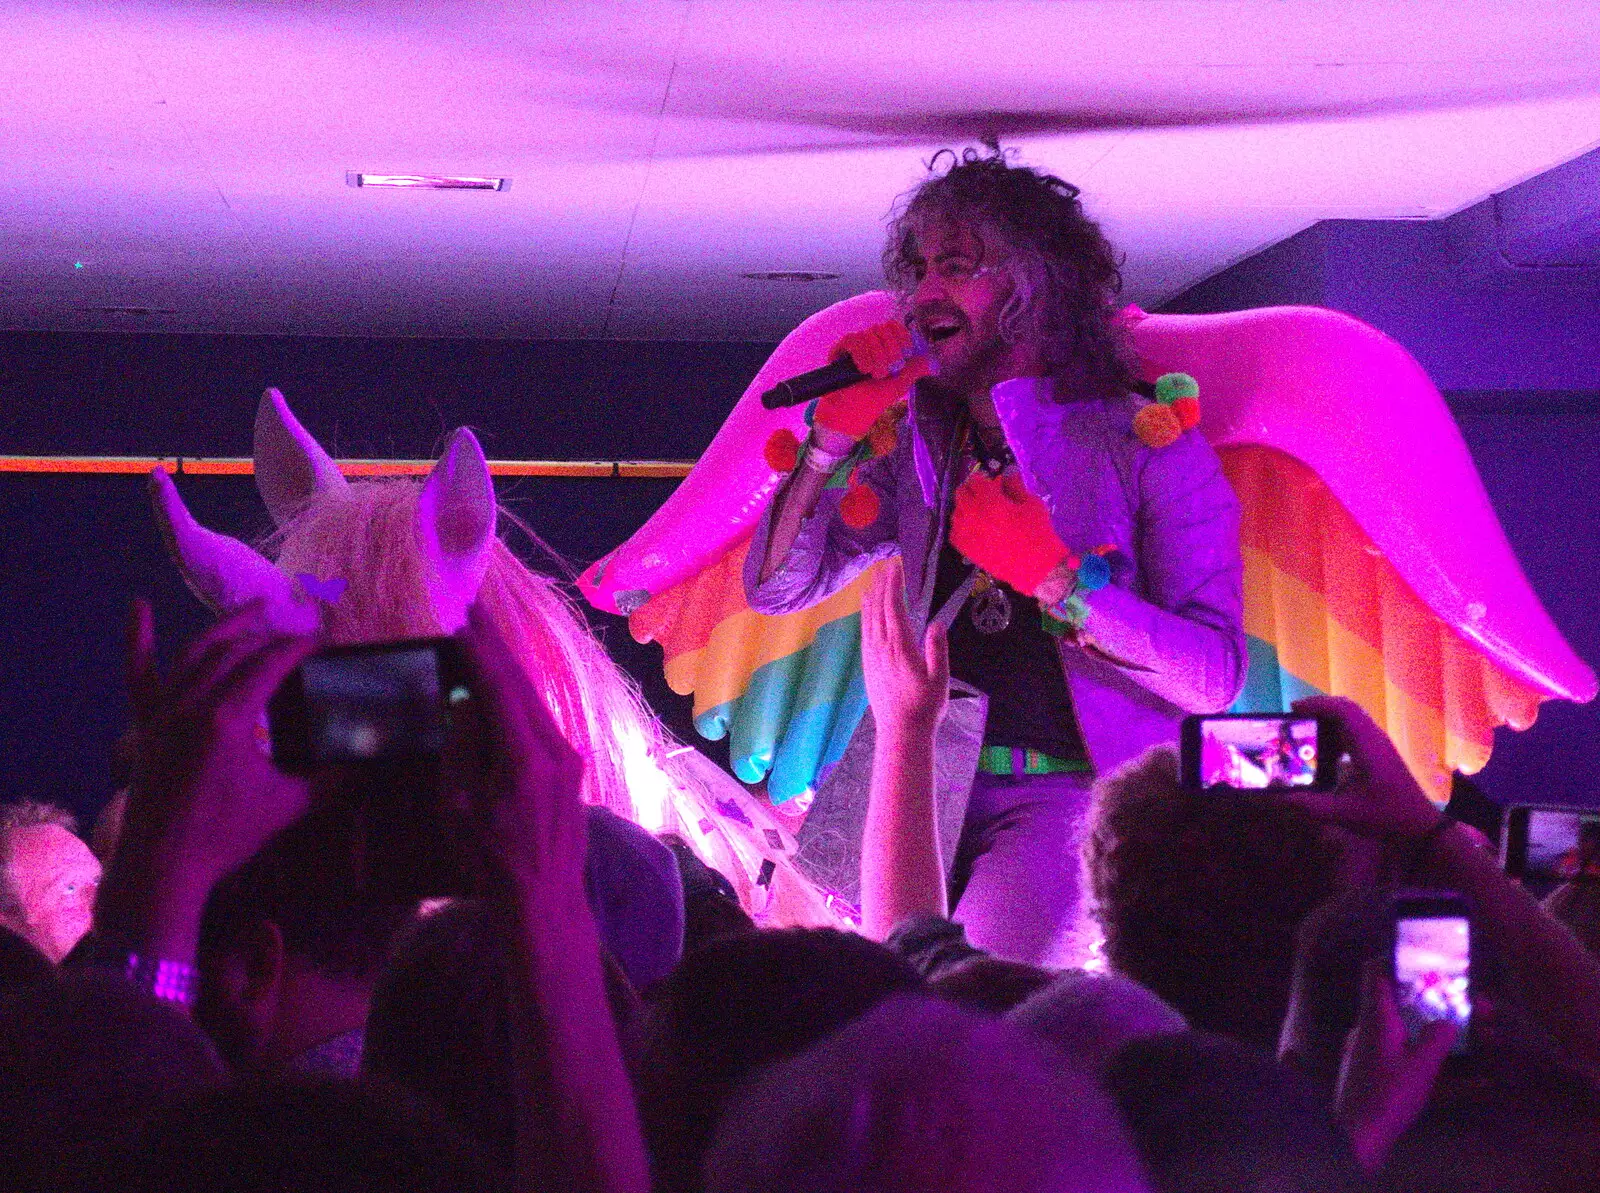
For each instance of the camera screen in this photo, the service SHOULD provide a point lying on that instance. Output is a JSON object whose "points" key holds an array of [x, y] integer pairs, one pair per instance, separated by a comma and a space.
{"points": [[1432, 960], [1252, 754], [361, 707], [1563, 845]]}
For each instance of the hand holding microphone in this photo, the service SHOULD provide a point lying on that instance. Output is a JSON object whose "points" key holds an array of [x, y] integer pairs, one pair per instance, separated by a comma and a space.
{"points": [[870, 371]]}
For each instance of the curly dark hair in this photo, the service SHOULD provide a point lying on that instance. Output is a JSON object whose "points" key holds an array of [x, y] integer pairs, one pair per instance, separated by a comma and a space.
{"points": [[1200, 896], [1065, 274]]}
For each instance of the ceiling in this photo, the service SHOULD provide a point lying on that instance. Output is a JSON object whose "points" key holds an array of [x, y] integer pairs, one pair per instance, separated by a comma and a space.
{"points": [[189, 159]]}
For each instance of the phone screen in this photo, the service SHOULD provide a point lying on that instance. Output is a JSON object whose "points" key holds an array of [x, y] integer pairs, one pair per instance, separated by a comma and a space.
{"points": [[1257, 753], [1562, 845], [366, 706], [1432, 969]]}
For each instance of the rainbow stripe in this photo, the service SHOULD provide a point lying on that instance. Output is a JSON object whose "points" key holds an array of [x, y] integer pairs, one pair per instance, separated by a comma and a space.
{"points": [[788, 690], [1326, 612]]}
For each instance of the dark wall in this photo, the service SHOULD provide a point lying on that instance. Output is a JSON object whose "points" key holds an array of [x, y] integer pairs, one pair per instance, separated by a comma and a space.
{"points": [[74, 549], [1514, 348]]}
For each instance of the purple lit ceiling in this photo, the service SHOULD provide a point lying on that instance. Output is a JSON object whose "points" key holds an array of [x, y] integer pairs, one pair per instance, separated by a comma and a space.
{"points": [[192, 156]]}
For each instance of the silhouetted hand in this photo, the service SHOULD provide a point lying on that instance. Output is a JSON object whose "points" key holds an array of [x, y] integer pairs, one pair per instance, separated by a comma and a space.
{"points": [[1385, 1080], [205, 795]]}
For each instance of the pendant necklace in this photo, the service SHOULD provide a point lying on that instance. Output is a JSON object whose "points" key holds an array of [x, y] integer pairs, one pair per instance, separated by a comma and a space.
{"points": [[988, 608]]}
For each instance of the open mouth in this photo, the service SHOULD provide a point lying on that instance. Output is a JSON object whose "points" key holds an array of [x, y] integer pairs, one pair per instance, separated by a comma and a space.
{"points": [[939, 327]]}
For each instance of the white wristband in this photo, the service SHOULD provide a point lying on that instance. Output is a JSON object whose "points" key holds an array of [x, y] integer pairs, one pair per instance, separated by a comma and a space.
{"points": [[822, 461]]}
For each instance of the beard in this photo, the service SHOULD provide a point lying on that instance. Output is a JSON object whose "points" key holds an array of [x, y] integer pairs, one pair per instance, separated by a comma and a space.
{"points": [[977, 363]]}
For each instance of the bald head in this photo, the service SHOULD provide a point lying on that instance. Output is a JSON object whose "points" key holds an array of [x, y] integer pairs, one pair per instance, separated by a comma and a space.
{"points": [[48, 879]]}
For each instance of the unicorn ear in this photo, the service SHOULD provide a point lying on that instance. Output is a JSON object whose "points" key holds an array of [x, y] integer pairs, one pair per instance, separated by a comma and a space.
{"points": [[291, 467], [223, 572], [455, 527]]}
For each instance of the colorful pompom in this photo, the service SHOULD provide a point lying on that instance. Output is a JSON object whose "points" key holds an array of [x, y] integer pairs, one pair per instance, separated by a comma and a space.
{"points": [[859, 507], [1172, 386], [1094, 573], [782, 451], [1156, 425], [1188, 412]]}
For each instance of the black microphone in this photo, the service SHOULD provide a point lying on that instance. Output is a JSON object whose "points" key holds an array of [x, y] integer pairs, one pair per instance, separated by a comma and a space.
{"points": [[832, 376]]}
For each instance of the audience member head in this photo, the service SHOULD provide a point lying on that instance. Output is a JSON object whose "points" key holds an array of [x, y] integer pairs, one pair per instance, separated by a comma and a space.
{"points": [[736, 1006], [290, 949], [1088, 1017], [441, 1022], [919, 1096], [1211, 1115], [48, 877], [710, 904], [315, 1134], [1199, 894], [82, 1058], [990, 984]]}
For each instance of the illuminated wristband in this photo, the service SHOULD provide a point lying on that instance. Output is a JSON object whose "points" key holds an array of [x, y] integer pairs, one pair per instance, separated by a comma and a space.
{"points": [[1069, 613], [170, 981]]}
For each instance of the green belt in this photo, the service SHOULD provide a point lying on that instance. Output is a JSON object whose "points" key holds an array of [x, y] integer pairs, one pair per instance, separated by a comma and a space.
{"points": [[1012, 760]]}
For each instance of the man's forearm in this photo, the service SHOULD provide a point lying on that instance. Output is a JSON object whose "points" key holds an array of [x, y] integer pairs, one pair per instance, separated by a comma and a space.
{"points": [[798, 499], [902, 873]]}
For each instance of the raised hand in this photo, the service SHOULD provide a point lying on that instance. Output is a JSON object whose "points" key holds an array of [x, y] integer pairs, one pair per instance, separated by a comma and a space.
{"points": [[1377, 796], [205, 795], [908, 683], [878, 351], [529, 804], [1384, 1079]]}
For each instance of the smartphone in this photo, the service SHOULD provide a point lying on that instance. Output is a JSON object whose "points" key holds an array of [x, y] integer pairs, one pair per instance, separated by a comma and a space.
{"points": [[1258, 752], [366, 705], [1554, 844], [1432, 932]]}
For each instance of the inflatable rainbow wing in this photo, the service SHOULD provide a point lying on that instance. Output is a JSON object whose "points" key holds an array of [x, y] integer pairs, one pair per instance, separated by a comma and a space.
{"points": [[1374, 565]]}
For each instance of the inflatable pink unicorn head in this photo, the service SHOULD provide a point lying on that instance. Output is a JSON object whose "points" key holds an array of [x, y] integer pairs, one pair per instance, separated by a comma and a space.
{"points": [[382, 559]]}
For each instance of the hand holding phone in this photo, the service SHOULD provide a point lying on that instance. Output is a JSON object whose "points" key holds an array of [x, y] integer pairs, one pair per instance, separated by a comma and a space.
{"points": [[365, 706], [1386, 1077], [1376, 794]]}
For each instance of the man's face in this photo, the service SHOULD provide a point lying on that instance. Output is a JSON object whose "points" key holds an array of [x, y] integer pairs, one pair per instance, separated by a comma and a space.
{"points": [[957, 302], [55, 878]]}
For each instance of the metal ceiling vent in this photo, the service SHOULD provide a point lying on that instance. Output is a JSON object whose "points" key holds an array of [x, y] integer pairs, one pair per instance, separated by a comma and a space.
{"points": [[429, 182], [790, 275]]}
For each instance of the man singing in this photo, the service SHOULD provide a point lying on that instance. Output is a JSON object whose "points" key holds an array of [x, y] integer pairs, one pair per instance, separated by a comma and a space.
{"points": [[1090, 581]]}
